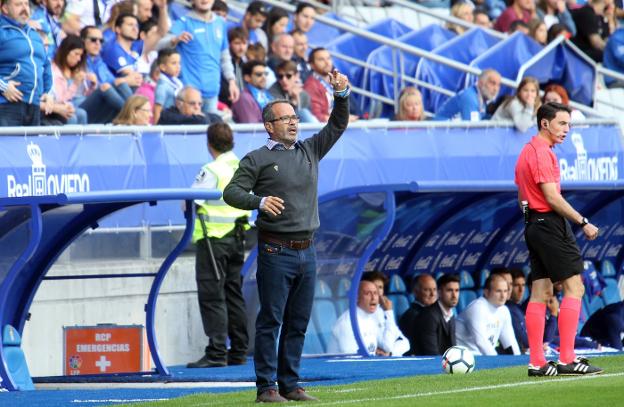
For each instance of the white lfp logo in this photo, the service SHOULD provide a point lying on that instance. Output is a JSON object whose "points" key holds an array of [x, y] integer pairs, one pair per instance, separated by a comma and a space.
{"points": [[584, 168], [40, 183]]}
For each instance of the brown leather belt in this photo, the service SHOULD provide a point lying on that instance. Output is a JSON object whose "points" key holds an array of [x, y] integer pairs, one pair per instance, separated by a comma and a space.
{"points": [[290, 244]]}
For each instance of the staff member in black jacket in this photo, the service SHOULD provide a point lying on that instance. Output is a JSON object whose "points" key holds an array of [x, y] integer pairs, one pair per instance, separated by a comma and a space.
{"points": [[283, 176], [436, 323]]}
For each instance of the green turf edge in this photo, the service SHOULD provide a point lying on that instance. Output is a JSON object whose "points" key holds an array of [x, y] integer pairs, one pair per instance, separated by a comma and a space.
{"points": [[515, 389]]}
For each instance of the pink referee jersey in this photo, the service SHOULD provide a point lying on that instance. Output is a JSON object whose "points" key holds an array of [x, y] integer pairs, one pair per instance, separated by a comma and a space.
{"points": [[536, 164]]}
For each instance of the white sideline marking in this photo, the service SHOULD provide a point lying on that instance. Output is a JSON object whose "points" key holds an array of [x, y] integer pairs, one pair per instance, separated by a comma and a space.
{"points": [[374, 360], [124, 401], [138, 385], [471, 389]]}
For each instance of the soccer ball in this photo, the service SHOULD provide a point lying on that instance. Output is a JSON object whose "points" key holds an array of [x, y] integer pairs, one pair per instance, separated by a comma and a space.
{"points": [[458, 360]]}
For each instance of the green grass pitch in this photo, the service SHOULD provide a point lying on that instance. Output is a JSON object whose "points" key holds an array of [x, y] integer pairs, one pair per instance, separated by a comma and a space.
{"points": [[496, 387]]}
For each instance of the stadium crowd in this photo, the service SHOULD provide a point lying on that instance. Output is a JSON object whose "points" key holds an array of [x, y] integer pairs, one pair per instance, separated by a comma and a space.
{"points": [[80, 61]]}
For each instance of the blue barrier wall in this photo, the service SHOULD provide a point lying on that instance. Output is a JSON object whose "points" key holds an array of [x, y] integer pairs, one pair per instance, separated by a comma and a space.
{"points": [[367, 154]]}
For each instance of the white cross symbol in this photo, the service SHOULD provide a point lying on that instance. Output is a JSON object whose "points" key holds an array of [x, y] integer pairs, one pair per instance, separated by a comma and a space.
{"points": [[103, 363]]}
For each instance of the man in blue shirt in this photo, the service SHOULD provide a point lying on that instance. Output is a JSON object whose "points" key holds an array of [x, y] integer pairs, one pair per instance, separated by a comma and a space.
{"points": [[201, 39], [471, 103], [120, 58], [613, 58], [25, 73], [111, 92]]}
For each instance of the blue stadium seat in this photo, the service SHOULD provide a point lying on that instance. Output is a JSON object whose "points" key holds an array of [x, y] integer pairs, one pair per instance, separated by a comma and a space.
{"points": [[466, 281], [465, 298], [611, 292], [312, 344], [14, 358], [396, 284], [593, 304], [400, 304], [607, 269], [322, 290], [344, 285], [482, 275], [324, 317]]}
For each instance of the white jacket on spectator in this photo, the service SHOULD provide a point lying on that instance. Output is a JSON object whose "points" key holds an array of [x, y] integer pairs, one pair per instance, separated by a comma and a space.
{"points": [[481, 325], [378, 330]]}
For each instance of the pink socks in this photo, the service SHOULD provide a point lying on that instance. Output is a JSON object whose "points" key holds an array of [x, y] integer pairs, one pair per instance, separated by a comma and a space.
{"points": [[535, 321], [569, 313]]}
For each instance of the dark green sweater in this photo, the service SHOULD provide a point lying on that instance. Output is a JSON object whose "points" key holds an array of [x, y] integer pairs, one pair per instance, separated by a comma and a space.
{"points": [[288, 174]]}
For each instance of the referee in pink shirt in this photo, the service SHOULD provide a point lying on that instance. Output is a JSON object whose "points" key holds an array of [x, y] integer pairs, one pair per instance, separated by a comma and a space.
{"points": [[552, 246]]}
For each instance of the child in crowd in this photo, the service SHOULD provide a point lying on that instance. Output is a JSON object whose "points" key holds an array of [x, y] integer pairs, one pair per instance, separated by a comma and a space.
{"points": [[168, 84], [148, 88]]}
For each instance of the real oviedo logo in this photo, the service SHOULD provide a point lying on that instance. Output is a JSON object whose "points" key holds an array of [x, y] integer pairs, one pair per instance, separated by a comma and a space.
{"points": [[588, 168], [39, 182]]}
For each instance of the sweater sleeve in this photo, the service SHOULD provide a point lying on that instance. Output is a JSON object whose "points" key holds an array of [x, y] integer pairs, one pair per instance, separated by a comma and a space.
{"points": [[236, 193], [324, 140]]}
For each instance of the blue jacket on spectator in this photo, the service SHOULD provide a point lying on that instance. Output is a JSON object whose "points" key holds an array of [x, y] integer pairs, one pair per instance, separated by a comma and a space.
{"points": [[23, 59], [100, 69], [466, 103], [613, 57]]}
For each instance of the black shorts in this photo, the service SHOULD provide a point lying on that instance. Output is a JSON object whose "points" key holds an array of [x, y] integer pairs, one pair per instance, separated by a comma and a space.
{"points": [[552, 247]]}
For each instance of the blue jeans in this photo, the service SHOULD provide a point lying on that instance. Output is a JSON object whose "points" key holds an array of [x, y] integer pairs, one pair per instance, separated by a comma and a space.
{"points": [[210, 105], [19, 114], [286, 279]]}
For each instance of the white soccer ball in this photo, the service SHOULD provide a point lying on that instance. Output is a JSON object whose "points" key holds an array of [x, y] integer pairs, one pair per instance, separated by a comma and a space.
{"points": [[458, 360]]}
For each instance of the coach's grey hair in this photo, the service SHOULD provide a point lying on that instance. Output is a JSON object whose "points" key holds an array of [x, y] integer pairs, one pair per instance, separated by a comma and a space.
{"points": [[267, 112]]}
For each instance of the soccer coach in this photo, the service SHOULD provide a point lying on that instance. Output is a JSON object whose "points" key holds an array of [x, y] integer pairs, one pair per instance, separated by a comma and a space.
{"points": [[553, 252], [283, 175]]}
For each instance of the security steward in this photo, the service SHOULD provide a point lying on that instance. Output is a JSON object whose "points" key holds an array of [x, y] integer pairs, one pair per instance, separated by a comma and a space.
{"points": [[553, 252], [219, 236]]}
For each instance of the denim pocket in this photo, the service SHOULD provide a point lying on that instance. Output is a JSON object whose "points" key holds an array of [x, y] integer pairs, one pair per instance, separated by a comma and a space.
{"points": [[270, 248]]}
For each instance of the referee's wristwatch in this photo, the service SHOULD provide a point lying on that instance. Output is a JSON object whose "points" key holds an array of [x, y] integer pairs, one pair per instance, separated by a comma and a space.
{"points": [[584, 221]]}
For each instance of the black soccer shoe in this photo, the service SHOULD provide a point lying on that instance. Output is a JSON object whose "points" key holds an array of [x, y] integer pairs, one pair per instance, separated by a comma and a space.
{"points": [[549, 369], [579, 366]]}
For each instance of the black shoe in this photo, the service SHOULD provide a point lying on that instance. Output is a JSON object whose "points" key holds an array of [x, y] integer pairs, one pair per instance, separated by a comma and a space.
{"points": [[549, 369], [579, 366], [236, 361], [206, 362]]}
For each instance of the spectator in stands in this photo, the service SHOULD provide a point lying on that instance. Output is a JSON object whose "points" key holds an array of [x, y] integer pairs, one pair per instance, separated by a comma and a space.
{"points": [[119, 56], [424, 290], [187, 109], [614, 58], [49, 18], [112, 92], [379, 339], [435, 325], [538, 31], [300, 55], [256, 52], [276, 23], [553, 12], [507, 275], [486, 320], [606, 326], [410, 105], [523, 10], [557, 93], [25, 72], [253, 19], [471, 103], [70, 77], [237, 37], [522, 107], [137, 111], [514, 304], [149, 37], [148, 87], [592, 29], [318, 87], [556, 30], [206, 57], [118, 9], [518, 25], [70, 20], [220, 8], [288, 86], [282, 49], [463, 11], [168, 84], [304, 17], [248, 108], [481, 18], [493, 8], [90, 12]]}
